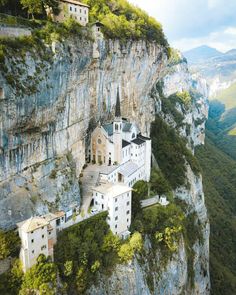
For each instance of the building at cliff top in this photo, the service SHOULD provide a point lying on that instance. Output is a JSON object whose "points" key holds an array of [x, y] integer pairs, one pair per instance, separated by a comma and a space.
{"points": [[72, 9], [38, 236]]}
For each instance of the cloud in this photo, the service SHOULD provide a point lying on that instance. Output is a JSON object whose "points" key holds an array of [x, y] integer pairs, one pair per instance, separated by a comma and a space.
{"points": [[191, 21], [222, 40]]}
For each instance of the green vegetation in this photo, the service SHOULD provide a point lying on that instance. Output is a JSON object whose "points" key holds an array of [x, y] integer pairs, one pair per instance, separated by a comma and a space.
{"points": [[232, 132], [17, 49], [172, 154], [221, 128], [89, 247], [227, 97], [124, 21], [42, 278], [219, 180], [9, 244], [10, 282]]}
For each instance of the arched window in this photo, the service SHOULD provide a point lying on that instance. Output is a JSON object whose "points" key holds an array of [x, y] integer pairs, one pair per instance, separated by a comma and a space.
{"points": [[99, 141], [116, 127], [133, 135]]}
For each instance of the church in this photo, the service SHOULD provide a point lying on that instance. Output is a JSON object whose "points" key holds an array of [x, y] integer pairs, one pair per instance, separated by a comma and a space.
{"points": [[121, 148]]}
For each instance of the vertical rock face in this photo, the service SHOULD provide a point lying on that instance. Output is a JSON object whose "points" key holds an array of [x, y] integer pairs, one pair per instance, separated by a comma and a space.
{"points": [[73, 92], [43, 140], [174, 277]]}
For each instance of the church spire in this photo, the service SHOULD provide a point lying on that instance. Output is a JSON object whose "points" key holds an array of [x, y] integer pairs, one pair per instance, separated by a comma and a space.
{"points": [[118, 112]]}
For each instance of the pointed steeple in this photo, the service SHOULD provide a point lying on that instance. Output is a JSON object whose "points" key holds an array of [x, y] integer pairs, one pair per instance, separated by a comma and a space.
{"points": [[118, 112]]}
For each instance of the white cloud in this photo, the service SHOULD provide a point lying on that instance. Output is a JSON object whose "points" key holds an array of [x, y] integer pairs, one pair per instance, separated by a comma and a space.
{"points": [[222, 40], [190, 23]]}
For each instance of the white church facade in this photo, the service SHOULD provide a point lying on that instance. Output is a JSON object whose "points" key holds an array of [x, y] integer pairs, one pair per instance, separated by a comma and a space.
{"points": [[120, 146]]}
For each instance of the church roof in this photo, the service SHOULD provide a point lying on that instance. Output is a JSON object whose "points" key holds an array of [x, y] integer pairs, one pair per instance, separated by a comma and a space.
{"points": [[109, 128], [127, 127], [128, 168], [125, 143], [143, 137], [138, 141], [118, 111]]}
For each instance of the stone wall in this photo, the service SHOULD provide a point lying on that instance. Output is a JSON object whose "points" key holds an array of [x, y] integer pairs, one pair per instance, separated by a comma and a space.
{"points": [[5, 265], [8, 31]]}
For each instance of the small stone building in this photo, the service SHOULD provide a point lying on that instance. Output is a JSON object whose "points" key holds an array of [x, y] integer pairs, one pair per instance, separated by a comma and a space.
{"points": [[38, 236], [73, 9]]}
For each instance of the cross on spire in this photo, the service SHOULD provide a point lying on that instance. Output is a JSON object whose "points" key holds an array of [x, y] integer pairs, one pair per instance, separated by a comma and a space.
{"points": [[118, 111]]}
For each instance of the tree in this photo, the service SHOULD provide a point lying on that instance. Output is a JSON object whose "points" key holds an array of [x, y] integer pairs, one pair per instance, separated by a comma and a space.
{"points": [[126, 253], [136, 242], [68, 268], [110, 243], [4, 246], [158, 183], [33, 6], [41, 278]]}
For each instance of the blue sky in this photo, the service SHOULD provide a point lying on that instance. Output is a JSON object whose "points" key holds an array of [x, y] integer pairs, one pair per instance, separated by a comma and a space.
{"points": [[191, 23]]}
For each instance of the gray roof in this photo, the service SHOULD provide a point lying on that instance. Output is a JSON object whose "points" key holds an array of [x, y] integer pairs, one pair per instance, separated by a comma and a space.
{"points": [[138, 141], [125, 143], [127, 127], [128, 168], [143, 137], [109, 128]]}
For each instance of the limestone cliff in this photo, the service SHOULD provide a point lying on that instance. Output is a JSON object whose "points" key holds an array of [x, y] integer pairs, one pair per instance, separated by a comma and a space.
{"points": [[43, 136], [73, 92], [143, 277]]}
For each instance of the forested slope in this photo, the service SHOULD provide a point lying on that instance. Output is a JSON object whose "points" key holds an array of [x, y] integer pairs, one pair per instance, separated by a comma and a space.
{"points": [[219, 180]]}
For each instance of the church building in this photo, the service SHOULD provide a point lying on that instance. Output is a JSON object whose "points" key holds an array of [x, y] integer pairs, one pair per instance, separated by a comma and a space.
{"points": [[120, 144]]}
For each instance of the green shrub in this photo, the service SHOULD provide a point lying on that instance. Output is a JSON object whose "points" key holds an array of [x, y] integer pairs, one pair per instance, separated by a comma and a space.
{"points": [[172, 154]]}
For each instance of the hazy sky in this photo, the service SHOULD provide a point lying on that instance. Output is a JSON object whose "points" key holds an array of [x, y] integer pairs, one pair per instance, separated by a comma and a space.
{"points": [[190, 23]]}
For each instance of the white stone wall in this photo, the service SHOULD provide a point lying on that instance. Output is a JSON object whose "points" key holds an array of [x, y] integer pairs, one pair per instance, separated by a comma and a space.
{"points": [[119, 219], [27, 256], [7, 31]]}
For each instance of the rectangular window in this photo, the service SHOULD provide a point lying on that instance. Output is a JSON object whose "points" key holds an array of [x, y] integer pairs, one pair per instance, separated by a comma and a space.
{"points": [[127, 212], [49, 233], [32, 251], [127, 219], [116, 218], [127, 194], [102, 197], [70, 8], [127, 203], [80, 10], [116, 226], [75, 9], [32, 232], [115, 199], [32, 240], [116, 209], [42, 236]]}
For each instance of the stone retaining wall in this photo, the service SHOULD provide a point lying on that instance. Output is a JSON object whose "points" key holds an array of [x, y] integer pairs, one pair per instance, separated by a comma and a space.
{"points": [[7, 31]]}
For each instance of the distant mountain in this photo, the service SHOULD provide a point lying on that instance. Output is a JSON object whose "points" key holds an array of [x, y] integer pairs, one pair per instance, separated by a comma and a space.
{"points": [[219, 69], [201, 54]]}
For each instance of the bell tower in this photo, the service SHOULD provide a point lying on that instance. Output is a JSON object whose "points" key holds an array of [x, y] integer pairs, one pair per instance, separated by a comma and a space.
{"points": [[117, 131]]}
